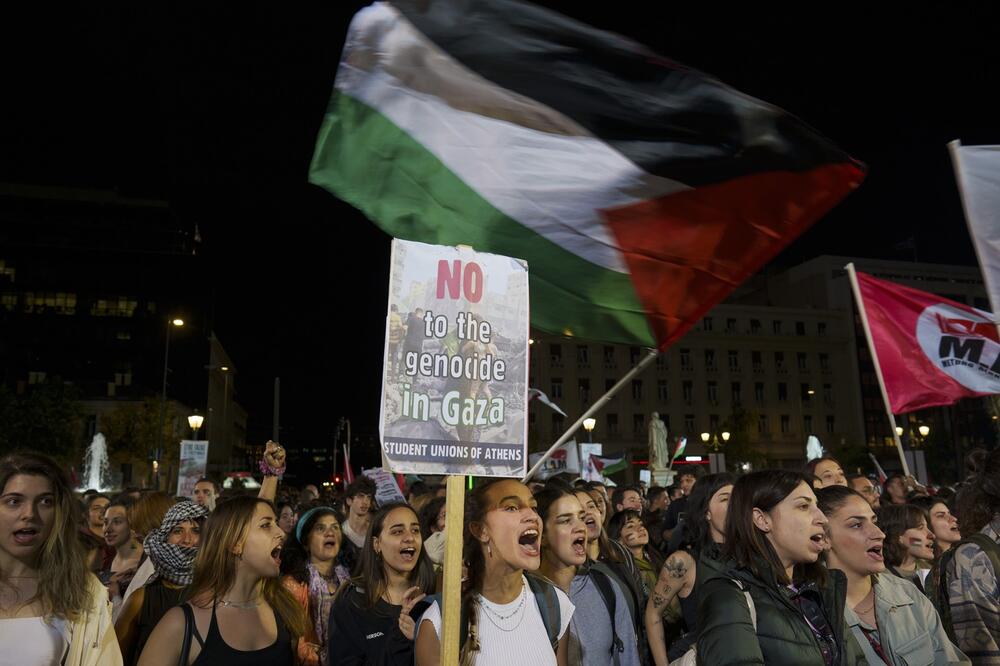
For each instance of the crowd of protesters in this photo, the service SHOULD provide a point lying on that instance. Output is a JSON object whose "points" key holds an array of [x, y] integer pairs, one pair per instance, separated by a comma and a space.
{"points": [[807, 566]]}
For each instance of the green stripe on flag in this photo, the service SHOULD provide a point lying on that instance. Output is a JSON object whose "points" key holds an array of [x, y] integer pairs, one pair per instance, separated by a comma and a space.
{"points": [[368, 161], [619, 465]]}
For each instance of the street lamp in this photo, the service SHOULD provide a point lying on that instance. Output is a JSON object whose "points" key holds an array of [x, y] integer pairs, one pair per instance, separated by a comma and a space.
{"points": [[588, 425], [171, 322], [705, 437], [195, 421], [924, 430]]}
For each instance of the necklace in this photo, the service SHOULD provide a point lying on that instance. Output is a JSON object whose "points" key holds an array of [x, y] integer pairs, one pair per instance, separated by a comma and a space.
{"points": [[869, 612], [496, 618], [243, 605]]}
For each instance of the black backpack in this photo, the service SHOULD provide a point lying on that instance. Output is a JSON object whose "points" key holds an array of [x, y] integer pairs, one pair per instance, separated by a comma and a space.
{"points": [[604, 581], [937, 586]]}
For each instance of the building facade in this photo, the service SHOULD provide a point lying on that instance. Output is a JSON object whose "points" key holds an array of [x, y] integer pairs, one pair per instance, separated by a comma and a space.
{"points": [[784, 358]]}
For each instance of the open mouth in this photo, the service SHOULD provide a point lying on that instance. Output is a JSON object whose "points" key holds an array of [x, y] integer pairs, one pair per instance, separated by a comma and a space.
{"points": [[276, 555], [875, 552], [330, 543], [408, 554], [580, 546], [818, 541], [26, 536], [529, 542]]}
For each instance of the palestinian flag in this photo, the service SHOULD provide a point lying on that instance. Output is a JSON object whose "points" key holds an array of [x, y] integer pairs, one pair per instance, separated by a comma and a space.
{"points": [[640, 192], [608, 466], [681, 445]]}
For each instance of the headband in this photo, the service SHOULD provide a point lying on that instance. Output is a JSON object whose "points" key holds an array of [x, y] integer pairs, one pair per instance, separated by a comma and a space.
{"points": [[299, 526]]}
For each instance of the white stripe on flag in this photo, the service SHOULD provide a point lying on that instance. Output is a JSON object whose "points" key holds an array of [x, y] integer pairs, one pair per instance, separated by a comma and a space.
{"points": [[555, 181], [977, 170]]}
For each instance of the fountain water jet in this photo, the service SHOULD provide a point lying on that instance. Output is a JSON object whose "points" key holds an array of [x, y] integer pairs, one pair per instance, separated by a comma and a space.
{"points": [[95, 464]]}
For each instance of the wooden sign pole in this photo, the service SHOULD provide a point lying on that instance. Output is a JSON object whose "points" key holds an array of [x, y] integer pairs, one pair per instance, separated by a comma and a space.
{"points": [[452, 595]]}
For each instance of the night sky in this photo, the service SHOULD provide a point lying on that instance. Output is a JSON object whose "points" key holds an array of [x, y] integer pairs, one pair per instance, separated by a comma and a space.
{"points": [[215, 108]]}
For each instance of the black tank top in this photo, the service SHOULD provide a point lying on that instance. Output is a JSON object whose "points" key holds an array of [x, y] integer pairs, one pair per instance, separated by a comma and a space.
{"points": [[156, 601], [215, 651]]}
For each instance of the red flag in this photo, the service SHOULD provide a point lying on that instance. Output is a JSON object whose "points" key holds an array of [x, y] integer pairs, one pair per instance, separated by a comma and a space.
{"points": [[932, 351], [348, 472]]}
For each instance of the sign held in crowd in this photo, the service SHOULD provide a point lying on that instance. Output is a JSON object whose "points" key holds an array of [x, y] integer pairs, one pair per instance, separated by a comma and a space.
{"points": [[455, 378]]}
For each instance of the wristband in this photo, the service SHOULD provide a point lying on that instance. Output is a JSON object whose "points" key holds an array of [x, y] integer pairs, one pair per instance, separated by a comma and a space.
{"points": [[267, 470]]}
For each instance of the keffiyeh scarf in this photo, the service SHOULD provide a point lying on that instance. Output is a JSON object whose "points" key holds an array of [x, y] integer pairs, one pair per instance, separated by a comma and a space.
{"points": [[173, 562]]}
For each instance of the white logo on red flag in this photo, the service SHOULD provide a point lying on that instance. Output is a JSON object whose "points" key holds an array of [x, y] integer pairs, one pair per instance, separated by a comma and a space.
{"points": [[963, 344]]}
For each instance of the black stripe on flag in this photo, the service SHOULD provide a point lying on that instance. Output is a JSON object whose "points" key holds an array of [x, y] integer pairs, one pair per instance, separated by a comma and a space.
{"points": [[671, 120]]}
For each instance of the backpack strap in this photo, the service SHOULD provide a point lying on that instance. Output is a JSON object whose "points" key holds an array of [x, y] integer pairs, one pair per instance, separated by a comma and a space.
{"points": [[605, 586], [548, 606]]}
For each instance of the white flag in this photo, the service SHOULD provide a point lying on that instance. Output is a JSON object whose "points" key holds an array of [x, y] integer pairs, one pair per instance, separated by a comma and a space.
{"points": [[565, 459], [977, 170]]}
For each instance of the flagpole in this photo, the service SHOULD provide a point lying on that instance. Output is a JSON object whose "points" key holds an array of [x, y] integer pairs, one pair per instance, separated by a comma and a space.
{"points": [[603, 400], [878, 369]]}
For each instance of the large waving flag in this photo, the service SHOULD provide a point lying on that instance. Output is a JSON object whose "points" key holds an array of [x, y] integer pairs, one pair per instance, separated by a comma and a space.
{"points": [[977, 170], [640, 192], [932, 351]]}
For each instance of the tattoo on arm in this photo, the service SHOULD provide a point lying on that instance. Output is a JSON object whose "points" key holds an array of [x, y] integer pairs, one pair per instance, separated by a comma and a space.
{"points": [[675, 567], [658, 600]]}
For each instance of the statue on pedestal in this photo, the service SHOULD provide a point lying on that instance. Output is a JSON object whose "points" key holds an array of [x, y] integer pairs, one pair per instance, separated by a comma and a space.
{"points": [[659, 452]]}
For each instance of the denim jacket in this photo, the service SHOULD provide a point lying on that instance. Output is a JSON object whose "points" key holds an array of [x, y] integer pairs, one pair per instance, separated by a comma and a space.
{"points": [[909, 628]]}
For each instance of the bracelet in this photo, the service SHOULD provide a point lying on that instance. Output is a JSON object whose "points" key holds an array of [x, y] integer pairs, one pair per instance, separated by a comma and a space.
{"points": [[267, 470]]}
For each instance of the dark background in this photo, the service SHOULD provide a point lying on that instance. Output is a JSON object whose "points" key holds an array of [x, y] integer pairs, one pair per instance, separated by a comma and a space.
{"points": [[215, 109]]}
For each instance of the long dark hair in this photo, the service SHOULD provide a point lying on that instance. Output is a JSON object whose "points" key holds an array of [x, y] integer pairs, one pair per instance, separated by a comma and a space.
{"points": [[978, 501], [369, 574], [552, 492], [894, 519], [746, 545], [428, 515], [295, 554], [831, 498], [698, 533], [476, 507]]}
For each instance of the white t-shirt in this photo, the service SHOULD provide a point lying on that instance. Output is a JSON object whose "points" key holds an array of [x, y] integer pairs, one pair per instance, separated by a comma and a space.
{"points": [[522, 634], [31, 641]]}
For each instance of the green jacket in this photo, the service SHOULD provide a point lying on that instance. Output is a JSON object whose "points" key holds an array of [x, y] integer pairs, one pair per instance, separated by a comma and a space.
{"points": [[782, 636]]}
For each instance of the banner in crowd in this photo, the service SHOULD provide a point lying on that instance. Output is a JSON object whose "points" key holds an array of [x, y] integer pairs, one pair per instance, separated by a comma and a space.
{"points": [[455, 381], [192, 465], [589, 471], [387, 490], [977, 170], [565, 459], [932, 351], [640, 192], [609, 466]]}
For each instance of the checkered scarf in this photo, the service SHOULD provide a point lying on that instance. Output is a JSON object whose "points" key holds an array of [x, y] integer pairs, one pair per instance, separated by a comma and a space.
{"points": [[172, 561]]}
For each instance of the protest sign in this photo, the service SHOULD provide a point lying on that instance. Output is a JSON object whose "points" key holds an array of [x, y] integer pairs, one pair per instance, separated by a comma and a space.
{"points": [[455, 376], [565, 459], [589, 471], [191, 467], [386, 489]]}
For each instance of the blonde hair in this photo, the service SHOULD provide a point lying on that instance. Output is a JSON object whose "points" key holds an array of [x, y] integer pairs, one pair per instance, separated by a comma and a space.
{"points": [[147, 513], [63, 576], [215, 564]]}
